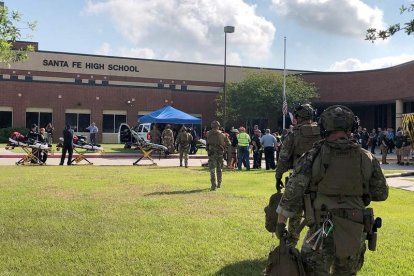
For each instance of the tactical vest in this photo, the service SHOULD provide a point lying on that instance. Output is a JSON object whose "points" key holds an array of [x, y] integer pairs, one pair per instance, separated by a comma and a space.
{"points": [[215, 141], [184, 138], [341, 172], [304, 138]]}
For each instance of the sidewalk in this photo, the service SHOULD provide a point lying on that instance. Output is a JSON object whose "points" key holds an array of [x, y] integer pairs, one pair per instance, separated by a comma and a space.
{"points": [[10, 158]]}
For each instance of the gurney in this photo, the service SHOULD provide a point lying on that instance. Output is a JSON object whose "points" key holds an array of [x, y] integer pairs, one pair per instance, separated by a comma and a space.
{"points": [[33, 149], [147, 148], [80, 147]]}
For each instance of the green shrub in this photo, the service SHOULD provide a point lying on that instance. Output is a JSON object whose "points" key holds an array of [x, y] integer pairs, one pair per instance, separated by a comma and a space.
{"points": [[6, 132]]}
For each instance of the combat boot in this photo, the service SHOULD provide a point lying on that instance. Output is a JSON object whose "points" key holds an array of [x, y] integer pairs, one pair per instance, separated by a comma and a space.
{"points": [[219, 185], [213, 188], [186, 164]]}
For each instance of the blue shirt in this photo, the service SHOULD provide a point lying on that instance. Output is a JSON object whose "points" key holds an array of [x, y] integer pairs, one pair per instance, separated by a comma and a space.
{"points": [[268, 140]]}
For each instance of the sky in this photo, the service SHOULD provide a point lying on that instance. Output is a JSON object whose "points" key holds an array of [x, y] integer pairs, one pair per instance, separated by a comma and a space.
{"points": [[321, 35]]}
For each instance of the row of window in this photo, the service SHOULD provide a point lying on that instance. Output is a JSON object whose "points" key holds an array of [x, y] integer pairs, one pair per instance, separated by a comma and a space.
{"points": [[78, 121], [92, 82]]}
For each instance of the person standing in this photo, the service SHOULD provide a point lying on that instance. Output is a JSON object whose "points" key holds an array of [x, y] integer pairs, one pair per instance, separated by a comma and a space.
{"points": [[301, 139], [384, 147], [193, 144], [232, 149], [93, 130], [167, 137], [49, 131], [257, 149], [67, 145], [155, 135], [183, 142], [373, 140], [331, 179], [215, 145], [243, 151], [269, 144]]}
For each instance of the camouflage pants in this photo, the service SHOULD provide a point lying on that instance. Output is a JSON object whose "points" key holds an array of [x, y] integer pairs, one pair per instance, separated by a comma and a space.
{"points": [[324, 262], [215, 164], [184, 150], [169, 143]]}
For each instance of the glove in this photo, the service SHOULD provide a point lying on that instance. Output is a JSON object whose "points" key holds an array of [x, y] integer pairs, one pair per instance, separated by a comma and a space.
{"points": [[279, 184], [281, 230]]}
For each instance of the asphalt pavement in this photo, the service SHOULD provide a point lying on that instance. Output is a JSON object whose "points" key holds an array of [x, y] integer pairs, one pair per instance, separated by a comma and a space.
{"points": [[9, 158]]}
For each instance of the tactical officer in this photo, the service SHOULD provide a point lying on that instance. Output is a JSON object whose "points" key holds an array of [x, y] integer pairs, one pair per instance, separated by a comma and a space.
{"points": [[183, 142], [305, 133], [336, 180], [155, 135], [216, 145], [168, 138]]}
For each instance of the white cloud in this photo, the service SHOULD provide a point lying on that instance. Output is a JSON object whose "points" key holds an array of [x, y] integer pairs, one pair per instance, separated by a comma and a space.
{"points": [[137, 52], [191, 30], [104, 49], [342, 17], [353, 64]]}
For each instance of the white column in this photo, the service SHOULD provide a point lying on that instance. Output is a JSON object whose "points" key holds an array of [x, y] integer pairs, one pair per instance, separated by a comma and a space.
{"points": [[399, 104]]}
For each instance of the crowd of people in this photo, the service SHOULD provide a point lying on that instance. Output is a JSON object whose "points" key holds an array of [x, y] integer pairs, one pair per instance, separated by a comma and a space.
{"points": [[387, 140]]}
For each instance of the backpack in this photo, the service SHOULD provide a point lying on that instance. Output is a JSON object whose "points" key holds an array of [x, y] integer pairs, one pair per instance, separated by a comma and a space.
{"points": [[284, 260], [270, 212], [304, 138]]}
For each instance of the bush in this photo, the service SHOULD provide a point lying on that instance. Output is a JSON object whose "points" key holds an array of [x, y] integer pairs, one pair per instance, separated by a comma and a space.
{"points": [[6, 132]]}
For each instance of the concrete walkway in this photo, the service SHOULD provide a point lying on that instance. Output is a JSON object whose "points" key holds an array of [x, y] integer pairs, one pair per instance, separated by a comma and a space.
{"points": [[9, 158]]}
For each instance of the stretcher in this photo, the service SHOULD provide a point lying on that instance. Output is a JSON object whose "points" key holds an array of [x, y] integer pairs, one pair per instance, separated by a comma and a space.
{"points": [[32, 149], [147, 148], [80, 147]]}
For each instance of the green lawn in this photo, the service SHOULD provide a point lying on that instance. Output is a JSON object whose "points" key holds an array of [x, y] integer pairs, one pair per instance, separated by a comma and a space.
{"points": [[114, 220]]}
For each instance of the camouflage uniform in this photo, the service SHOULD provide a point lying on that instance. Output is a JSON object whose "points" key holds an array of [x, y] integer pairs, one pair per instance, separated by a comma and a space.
{"points": [[340, 193], [294, 145], [184, 140], [155, 135], [168, 139], [216, 145]]}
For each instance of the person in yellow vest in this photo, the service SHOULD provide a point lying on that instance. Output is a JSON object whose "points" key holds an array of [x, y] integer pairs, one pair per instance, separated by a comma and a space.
{"points": [[243, 151]]}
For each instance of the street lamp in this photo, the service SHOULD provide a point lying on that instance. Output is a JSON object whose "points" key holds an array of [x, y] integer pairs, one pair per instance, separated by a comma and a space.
{"points": [[227, 29]]}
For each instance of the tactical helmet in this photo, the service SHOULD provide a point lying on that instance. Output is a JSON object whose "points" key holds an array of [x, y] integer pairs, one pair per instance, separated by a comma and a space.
{"points": [[215, 124], [338, 117], [304, 111]]}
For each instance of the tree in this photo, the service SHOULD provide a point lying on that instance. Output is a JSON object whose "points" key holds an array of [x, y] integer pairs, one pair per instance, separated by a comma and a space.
{"points": [[10, 32], [373, 34], [260, 96]]}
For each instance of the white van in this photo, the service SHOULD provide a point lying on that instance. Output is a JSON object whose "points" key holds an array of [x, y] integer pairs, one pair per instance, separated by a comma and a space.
{"points": [[124, 133]]}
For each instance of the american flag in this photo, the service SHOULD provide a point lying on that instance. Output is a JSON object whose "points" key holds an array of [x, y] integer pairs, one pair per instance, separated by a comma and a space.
{"points": [[285, 107]]}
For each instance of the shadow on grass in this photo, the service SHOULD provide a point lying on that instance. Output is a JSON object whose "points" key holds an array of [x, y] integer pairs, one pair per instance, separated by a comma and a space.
{"points": [[178, 192], [247, 267]]}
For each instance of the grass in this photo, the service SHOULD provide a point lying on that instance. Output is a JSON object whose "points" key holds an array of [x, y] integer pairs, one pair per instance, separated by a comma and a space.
{"points": [[116, 220]]}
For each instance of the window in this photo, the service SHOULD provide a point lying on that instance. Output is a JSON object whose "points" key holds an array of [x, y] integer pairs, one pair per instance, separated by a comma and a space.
{"points": [[111, 122], [160, 85], [41, 119], [183, 87], [28, 78], [6, 119], [172, 86], [105, 82], [78, 81], [78, 121], [91, 82]]}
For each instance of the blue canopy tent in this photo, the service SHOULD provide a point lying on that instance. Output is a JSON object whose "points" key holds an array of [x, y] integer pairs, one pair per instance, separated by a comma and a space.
{"points": [[169, 115]]}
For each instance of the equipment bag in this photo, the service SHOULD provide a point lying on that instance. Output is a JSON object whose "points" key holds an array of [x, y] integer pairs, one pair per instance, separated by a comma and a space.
{"points": [[270, 212], [284, 261]]}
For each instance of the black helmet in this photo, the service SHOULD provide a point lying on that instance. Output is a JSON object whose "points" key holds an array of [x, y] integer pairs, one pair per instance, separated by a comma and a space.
{"points": [[304, 111], [338, 117]]}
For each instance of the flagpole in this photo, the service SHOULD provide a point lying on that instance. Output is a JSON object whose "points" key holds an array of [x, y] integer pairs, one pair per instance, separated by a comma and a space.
{"points": [[284, 85]]}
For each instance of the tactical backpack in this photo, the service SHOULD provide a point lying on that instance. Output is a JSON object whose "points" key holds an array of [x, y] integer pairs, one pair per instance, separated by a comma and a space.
{"points": [[304, 138], [284, 260], [270, 212]]}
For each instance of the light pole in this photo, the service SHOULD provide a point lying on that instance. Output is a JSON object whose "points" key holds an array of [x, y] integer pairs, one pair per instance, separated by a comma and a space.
{"points": [[227, 29]]}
